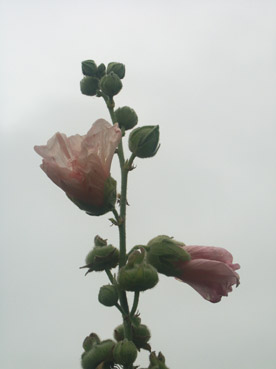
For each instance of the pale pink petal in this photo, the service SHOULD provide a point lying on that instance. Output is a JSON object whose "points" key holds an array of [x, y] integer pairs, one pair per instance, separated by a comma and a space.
{"points": [[80, 165], [211, 279], [209, 253]]}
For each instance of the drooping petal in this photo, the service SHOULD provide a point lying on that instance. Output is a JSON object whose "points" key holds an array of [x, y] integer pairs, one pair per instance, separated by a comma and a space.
{"points": [[210, 278]]}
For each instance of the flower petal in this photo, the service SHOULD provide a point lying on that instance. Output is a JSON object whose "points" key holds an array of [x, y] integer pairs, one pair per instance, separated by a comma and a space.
{"points": [[211, 279]]}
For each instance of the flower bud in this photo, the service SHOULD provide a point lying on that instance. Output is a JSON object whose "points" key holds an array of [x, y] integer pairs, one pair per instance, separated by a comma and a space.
{"points": [[166, 255], [101, 258], [108, 295], [137, 275], [101, 70], [117, 68], [111, 84], [99, 353], [126, 117], [89, 86], [157, 362], [125, 352], [144, 141], [89, 68], [140, 335], [90, 341]]}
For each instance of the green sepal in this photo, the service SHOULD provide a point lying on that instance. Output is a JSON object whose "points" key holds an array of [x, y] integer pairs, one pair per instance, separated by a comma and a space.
{"points": [[166, 255]]}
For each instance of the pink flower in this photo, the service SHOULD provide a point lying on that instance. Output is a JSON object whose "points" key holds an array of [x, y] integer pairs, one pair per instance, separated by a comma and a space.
{"points": [[80, 165], [209, 271]]}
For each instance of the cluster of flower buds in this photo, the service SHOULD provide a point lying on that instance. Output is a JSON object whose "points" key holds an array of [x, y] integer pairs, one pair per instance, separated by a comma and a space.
{"points": [[99, 78], [102, 256]]}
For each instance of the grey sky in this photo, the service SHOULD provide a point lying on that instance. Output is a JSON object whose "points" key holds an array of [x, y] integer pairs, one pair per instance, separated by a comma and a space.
{"points": [[205, 72]]}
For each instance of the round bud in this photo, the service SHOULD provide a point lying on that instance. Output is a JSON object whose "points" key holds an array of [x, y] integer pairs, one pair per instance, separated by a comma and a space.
{"points": [[126, 117], [89, 68], [141, 336], [137, 275], [117, 68], [108, 295], [144, 141], [111, 84], [89, 86], [101, 258], [125, 352]]}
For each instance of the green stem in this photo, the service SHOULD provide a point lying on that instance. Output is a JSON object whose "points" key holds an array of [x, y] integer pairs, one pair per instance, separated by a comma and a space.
{"points": [[122, 217], [110, 276], [135, 303]]}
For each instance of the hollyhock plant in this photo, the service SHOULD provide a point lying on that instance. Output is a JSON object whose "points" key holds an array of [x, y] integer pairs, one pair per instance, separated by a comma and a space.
{"points": [[80, 166], [210, 271]]}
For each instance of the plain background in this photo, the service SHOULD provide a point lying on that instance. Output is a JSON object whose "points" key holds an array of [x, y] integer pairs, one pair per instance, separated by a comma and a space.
{"points": [[205, 72]]}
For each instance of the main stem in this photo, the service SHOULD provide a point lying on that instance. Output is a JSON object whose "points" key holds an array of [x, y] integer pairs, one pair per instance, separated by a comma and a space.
{"points": [[122, 224]]}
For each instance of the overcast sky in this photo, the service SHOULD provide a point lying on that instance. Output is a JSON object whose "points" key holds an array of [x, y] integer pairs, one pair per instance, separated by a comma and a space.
{"points": [[205, 72]]}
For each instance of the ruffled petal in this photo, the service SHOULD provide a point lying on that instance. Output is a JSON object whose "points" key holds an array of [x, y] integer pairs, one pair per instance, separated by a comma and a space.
{"points": [[211, 279]]}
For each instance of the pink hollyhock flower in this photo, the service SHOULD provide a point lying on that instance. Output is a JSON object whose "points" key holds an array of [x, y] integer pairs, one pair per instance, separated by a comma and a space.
{"points": [[80, 166], [210, 271]]}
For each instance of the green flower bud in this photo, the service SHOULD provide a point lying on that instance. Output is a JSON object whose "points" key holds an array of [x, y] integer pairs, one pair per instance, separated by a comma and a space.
{"points": [[89, 86], [137, 275], [126, 117], [89, 68], [90, 341], [117, 68], [144, 141], [166, 255], [140, 335], [157, 361], [99, 353], [111, 84], [108, 295], [125, 352], [98, 241], [101, 71], [101, 258]]}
